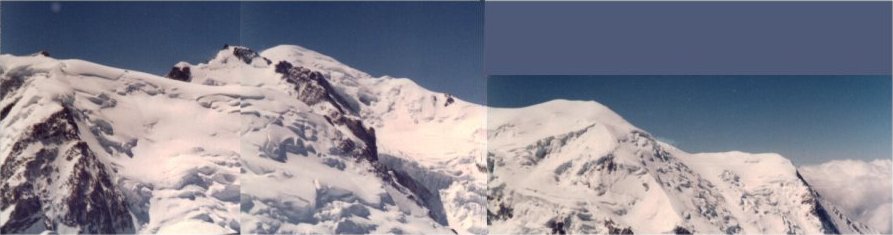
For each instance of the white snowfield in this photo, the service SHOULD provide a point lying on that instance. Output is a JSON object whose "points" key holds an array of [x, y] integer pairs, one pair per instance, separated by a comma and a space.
{"points": [[288, 140], [174, 161], [578, 167], [239, 147]]}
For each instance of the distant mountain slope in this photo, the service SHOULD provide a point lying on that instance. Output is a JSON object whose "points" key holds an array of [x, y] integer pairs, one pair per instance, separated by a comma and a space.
{"points": [[861, 189], [288, 140], [578, 167]]}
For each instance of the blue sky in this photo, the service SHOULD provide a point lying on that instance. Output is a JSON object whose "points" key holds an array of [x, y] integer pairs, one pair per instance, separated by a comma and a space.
{"points": [[809, 119], [149, 37], [439, 44]]}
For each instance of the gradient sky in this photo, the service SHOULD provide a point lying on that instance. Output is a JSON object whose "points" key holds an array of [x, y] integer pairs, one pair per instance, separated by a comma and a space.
{"points": [[809, 119], [439, 45], [149, 37]]}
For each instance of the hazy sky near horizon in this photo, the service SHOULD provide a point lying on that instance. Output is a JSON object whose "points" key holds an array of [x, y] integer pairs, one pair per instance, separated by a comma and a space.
{"points": [[808, 119], [437, 44]]}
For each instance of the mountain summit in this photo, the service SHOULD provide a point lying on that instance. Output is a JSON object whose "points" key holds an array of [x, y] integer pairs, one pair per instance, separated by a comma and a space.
{"points": [[282, 141], [577, 167], [287, 140]]}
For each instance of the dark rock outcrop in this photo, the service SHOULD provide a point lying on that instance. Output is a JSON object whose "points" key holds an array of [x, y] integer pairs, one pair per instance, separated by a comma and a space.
{"points": [[313, 88], [5, 111], [558, 227], [423, 196], [180, 74], [88, 197], [13, 81], [681, 230], [283, 67], [615, 229], [245, 54], [42, 53], [812, 199], [503, 213]]}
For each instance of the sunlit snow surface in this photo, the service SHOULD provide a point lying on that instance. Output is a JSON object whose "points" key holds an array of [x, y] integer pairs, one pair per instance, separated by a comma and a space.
{"points": [[175, 161], [862, 189], [236, 149], [578, 167]]}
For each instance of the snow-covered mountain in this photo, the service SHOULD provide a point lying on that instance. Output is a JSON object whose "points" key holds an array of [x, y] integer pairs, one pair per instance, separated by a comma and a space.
{"points": [[92, 149], [577, 167], [282, 141], [288, 140], [863, 190], [361, 154]]}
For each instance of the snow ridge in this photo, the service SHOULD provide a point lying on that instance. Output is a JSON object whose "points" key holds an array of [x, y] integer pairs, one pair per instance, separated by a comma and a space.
{"points": [[325, 148], [557, 169]]}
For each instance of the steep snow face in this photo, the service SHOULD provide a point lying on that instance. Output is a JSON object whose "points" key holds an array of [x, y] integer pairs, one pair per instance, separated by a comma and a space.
{"points": [[324, 148], [312, 167], [94, 149], [310, 164], [320, 122], [439, 140], [577, 167], [771, 185], [428, 139], [861, 189]]}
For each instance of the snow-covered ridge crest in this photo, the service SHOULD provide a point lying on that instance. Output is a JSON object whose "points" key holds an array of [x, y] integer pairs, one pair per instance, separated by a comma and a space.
{"points": [[862, 189], [300, 123], [577, 167], [325, 148], [300, 56], [444, 188], [117, 122], [550, 118]]}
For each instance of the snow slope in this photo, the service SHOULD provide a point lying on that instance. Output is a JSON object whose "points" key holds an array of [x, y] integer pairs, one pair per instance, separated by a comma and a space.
{"points": [[288, 140], [321, 148], [577, 167], [427, 138], [158, 158], [861, 189], [310, 165]]}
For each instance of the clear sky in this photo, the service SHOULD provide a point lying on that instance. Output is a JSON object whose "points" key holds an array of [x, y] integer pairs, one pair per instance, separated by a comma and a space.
{"points": [[809, 119], [439, 44], [149, 37]]}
